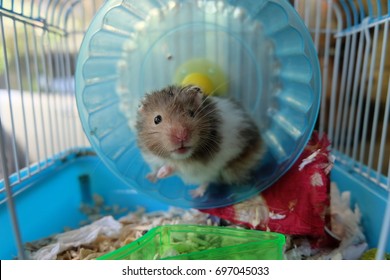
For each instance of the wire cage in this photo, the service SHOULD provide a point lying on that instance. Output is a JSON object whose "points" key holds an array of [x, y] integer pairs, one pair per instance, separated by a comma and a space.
{"points": [[47, 166], [352, 42]]}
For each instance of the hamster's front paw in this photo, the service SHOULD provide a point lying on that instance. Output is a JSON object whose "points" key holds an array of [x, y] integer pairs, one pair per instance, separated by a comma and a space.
{"points": [[199, 191], [152, 177], [165, 171]]}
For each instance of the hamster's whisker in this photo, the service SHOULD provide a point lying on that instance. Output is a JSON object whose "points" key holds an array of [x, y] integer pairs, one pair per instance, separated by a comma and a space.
{"points": [[213, 139], [202, 109], [201, 104], [160, 151], [207, 148], [218, 87], [206, 141], [205, 115], [205, 125]]}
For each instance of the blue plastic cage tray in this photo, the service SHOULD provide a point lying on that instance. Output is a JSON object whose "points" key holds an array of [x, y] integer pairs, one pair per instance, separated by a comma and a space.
{"points": [[50, 200], [262, 47]]}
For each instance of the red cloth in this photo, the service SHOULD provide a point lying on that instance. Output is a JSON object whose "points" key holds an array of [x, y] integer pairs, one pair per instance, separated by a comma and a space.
{"points": [[297, 203]]}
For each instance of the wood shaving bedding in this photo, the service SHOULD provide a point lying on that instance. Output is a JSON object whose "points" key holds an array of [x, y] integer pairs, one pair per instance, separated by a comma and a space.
{"points": [[133, 226]]}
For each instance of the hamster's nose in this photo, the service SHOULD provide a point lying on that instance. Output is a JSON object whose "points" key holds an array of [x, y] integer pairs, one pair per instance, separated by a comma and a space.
{"points": [[180, 135]]}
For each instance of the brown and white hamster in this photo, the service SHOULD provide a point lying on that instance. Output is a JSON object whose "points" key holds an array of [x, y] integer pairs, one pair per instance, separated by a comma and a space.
{"points": [[202, 139]]}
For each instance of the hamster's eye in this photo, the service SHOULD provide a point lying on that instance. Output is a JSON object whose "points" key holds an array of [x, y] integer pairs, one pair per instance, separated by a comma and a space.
{"points": [[191, 113], [157, 119]]}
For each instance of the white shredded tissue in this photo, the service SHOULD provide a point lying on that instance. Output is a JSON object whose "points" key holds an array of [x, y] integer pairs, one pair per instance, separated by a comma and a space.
{"points": [[84, 235], [309, 159]]}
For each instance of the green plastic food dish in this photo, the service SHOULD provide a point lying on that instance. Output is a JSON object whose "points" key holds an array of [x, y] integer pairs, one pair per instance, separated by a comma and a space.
{"points": [[192, 242]]}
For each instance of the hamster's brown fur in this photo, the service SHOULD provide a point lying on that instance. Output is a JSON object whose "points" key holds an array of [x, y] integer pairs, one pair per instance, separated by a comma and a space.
{"points": [[203, 139]]}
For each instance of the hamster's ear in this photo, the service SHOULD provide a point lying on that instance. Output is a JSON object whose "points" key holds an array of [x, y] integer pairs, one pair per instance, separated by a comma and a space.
{"points": [[198, 93], [196, 89], [141, 107]]}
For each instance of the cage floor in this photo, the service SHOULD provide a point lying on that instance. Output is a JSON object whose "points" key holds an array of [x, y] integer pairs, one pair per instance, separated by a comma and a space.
{"points": [[50, 201]]}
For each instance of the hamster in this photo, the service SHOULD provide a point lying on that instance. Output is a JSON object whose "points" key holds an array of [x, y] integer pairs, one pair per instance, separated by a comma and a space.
{"points": [[202, 139]]}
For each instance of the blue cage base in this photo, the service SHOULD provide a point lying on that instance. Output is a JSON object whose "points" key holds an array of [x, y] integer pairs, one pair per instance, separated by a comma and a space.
{"points": [[48, 202]]}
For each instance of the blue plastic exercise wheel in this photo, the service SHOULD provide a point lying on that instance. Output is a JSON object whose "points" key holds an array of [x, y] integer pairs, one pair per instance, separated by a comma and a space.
{"points": [[256, 51]]}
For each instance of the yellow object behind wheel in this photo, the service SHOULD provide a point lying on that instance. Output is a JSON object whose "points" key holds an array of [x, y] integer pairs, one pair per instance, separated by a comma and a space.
{"points": [[204, 74]]}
